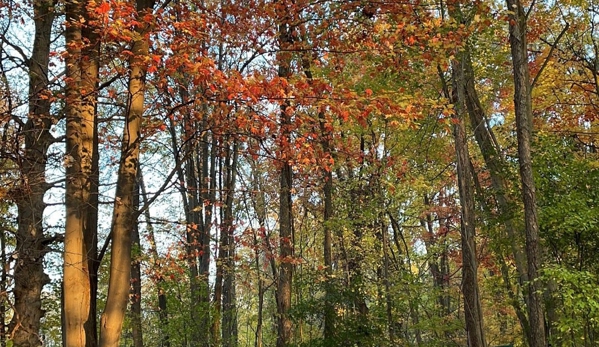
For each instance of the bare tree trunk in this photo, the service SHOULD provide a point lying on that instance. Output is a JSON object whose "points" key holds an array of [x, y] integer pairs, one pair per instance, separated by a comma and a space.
{"points": [[229, 325], [3, 284], [29, 276], [387, 283], [162, 307], [523, 110], [90, 68], [497, 167], [124, 215], [285, 254], [135, 290], [472, 306], [82, 72], [260, 208], [285, 273], [260, 313]]}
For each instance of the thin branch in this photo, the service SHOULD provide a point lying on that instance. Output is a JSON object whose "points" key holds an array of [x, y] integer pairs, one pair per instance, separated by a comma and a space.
{"points": [[534, 81], [532, 5], [104, 247]]}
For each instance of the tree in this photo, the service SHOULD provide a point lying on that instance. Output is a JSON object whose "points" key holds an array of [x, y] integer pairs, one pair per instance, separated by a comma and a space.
{"points": [[523, 110], [81, 144], [35, 139], [124, 215], [285, 273], [472, 305]]}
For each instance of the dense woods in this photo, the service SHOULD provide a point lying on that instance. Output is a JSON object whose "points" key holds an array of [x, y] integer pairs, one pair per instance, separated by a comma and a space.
{"points": [[224, 173]]}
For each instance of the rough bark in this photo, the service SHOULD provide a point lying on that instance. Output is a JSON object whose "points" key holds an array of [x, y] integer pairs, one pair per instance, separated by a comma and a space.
{"points": [[29, 276], [523, 110], [286, 257], [82, 74], [285, 273], [472, 306], [3, 283], [124, 215], [497, 166]]}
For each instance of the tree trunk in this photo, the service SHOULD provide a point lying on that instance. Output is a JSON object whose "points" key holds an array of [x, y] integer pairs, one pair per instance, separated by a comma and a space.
{"points": [[285, 273], [497, 167], [3, 283], [387, 283], [124, 215], [135, 290], [472, 306], [29, 276], [285, 254], [162, 307], [229, 326], [327, 191], [260, 208], [523, 110], [82, 72], [90, 235]]}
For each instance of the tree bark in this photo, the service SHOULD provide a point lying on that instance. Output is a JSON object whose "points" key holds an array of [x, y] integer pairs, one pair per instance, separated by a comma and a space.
{"points": [[285, 273], [259, 203], [136, 327], [82, 74], [124, 215], [472, 306], [327, 191], [229, 325], [162, 307], [497, 167], [29, 276], [135, 290], [3, 284], [523, 110]]}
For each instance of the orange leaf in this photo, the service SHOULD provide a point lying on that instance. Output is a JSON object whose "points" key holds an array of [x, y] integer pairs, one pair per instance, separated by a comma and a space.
{"points": [[103, 8]]}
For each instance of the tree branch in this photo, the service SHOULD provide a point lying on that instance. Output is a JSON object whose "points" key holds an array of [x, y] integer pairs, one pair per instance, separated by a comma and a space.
{"points": [[534, 81]]}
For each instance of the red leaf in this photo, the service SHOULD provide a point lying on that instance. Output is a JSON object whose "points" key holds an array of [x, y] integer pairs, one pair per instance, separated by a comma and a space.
{"points": [[103, 8]]}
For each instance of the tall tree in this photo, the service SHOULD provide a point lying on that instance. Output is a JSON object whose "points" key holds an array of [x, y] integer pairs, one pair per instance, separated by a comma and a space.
{"points": [[124, 214], [524, 122], [285, 273], [473, 313], [81, 145], [32, 244], [229, 326]]}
